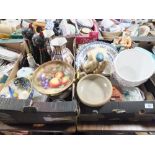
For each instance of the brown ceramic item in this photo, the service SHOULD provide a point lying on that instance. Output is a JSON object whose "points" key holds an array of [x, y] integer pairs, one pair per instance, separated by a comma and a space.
{"points": [[116, 94]]}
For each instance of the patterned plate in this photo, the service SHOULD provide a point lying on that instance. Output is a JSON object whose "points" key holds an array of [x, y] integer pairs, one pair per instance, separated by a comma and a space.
{"points": [[110, 52], [19, 88]]}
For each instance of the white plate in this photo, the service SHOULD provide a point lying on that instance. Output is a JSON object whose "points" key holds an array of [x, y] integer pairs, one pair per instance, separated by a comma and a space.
{"points": [[8, 54]]}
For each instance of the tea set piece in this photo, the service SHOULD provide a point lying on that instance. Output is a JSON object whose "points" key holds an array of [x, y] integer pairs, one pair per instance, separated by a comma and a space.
{"points": [[67, 29], [110, 29], [133, 94], [85, 23], [106, 23], [94, 90], [85, 30], [132, 67], [53, 77], [25, 72], [60, 51], [109, 36], [19, 88], [143, 30]]}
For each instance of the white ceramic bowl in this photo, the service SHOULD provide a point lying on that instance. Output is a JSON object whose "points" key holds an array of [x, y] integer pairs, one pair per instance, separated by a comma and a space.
{"points": [[133, 67], [94, 90]]}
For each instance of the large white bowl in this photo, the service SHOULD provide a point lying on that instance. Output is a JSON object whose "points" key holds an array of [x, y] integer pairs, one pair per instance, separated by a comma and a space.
{"points": [[133, 67], [94, 90]]}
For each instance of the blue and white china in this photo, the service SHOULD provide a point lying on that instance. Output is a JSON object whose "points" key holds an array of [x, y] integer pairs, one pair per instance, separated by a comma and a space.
{"points": [[108, 50]]}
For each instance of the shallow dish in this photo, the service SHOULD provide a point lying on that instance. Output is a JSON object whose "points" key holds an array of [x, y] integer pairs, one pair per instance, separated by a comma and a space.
{"points": [[53, 77]]}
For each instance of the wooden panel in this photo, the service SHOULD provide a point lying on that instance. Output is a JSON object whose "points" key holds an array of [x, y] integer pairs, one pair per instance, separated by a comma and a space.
{"points": [[147, 127]]}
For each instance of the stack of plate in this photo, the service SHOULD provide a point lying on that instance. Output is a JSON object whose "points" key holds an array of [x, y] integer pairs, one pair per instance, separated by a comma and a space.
{"points": [[8, 55]]}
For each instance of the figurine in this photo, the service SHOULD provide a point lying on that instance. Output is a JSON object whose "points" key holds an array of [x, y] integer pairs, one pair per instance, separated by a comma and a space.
{"points": [[56, 28], [28, 34], [40, 43], [124, 41], [95, 63]]}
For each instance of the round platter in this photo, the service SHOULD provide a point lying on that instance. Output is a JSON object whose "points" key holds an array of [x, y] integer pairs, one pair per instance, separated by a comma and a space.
{"points": [[108, 50], [50, 69]]}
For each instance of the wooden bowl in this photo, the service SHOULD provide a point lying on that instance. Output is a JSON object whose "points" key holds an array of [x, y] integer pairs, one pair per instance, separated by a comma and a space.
{"points": [[52, 67]]}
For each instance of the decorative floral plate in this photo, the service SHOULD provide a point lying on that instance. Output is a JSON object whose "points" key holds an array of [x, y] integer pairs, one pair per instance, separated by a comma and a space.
{"points": [[110, 52], [53, 77], [19, 88]]}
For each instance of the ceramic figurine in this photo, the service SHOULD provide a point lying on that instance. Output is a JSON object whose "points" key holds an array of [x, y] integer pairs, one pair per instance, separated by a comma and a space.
{"points": [[40, 43], [56, 28], [101, 64], [28, 34], [124, 41], [91, 64], [95, 63]]}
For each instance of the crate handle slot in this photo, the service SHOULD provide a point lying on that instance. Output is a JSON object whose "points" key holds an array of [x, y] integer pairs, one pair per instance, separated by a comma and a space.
{"points": [[142, 111], [119, 111], [29, 109]]}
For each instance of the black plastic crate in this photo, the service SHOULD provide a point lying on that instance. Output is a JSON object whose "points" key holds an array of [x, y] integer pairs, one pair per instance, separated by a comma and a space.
{"points": [[120, 111], [54, 110], [124, 111], [14, 111]]}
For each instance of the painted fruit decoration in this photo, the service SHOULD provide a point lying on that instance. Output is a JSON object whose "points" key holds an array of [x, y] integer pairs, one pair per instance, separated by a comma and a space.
{"points": [[54, 77], [59, 75], [54, 83], [65, 80]]}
